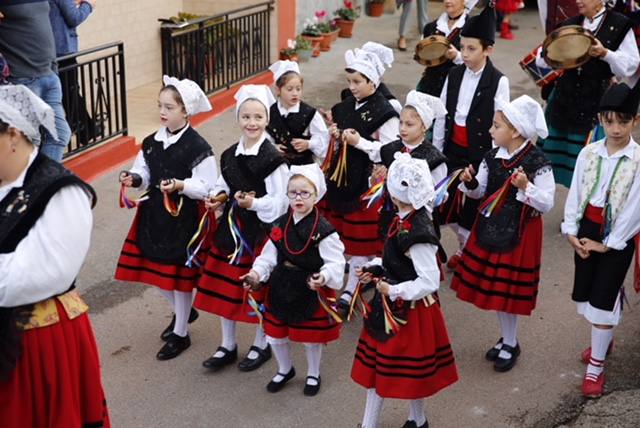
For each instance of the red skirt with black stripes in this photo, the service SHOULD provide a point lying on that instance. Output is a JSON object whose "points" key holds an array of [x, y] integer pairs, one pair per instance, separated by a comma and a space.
{"points": [[220, 290], [359, 230], [320, 328], [135, 267], [506, 282], [415, 363]]}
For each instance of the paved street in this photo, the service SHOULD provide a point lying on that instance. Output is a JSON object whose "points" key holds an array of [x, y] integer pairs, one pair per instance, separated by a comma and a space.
{"points": [[539, 391]]}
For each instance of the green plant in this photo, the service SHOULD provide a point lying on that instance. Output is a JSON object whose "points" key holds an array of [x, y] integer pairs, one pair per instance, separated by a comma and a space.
{"points": [[302, 44], [347, 12], [291, 49], [311, 28], [325, 27]]}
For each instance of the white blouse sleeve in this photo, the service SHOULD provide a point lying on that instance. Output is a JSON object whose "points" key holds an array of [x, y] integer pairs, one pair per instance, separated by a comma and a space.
{"points": [[425, 263], [627, 223], [624, 60], [482, 176], [569, 225], [439, 124], [332, 253], [203, 177], [266, 261], [221, 186], [319, 141], [387, 133], [274, 203], [541, 193], [439, 173], [141, 168], [46, 262]]}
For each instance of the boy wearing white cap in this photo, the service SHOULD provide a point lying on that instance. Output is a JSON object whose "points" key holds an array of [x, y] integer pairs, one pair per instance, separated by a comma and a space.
{"points": [[404, 350], [361, 125], [177, 167], [500, 265], [253, 177], [302, 265], [297, 129]]}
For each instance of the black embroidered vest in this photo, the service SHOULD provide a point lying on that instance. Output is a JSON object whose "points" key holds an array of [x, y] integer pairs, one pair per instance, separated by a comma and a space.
{"points": [[162, 237], [433, 78], [479, 119], [285, 129], [366, 120], [245, 173], [425, 150], [382, 88], [578, 91], [501, 231], [290, 299]]}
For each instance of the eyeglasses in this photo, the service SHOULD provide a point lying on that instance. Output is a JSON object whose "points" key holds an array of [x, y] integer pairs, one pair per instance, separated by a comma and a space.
{"points": [[292, 194]]}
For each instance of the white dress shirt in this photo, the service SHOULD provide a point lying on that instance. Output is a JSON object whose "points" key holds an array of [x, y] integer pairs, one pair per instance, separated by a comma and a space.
{"points": [[46, 262], [274, 203], [202, 177], [319, 140], [331, 250], [538, 194], [623, 61], [627, 222], [468, 86], [387, 133], [442, 25]]}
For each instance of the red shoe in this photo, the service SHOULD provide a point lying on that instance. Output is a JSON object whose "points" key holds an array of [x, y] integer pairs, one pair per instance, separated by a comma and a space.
{"points": [[586, 354], [591, 388], [505, 31], [453, 262]]}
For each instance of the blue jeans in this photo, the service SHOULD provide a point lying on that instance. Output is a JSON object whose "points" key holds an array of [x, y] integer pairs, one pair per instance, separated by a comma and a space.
{"points": [[49, 89]]}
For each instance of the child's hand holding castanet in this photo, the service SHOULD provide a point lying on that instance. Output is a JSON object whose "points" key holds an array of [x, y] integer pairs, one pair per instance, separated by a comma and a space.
{"points": [[520, 180], [316, 281], [251, 281], [244, 199]]}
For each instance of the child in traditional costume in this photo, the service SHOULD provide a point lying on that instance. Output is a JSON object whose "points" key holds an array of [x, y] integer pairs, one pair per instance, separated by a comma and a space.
{"points": [[49, 360], [253, 176], [297, 129], [176, 166], [500, 265], [404, 350], [470, 94], [302, 264], [601, 218]]}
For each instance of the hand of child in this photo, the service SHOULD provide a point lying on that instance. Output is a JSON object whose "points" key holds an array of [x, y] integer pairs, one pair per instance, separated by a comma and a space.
{"points": [[251, 281], [171, 185], [334, 131], [326, 115], [452, 53], [520, 180], [350, 136], [300, 145], [126, 178], [281, 148], [363, 277], [316, 281], [245, 199], [578, 246], [597, 50], [468, 174], [213, 202], [383, 287], [591, 245], [378, 173]]}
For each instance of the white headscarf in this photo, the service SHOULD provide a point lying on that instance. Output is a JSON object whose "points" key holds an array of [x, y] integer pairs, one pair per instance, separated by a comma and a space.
{"points": [[23, 110], [279, 68], [409, 180], [526, 115], [260, 93], [427, 106], [370, 60], [194, 99], [313, 173]]}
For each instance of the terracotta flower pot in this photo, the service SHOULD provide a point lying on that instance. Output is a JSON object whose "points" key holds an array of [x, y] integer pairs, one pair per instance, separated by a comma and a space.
{"points": [[293, 57], [334, 35], [315, 44], [346, 28], [376, 9], [325, 43]]}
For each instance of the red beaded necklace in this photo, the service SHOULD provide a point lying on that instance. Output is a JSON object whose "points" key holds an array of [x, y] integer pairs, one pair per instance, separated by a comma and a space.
{"points": [[516, 159], [395, 225], [309, 239]]}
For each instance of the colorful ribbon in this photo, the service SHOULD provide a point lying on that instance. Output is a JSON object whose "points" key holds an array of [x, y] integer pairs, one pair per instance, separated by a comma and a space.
{"points": [[392, 323], [339, 176], [442, 188], [258, 309], [240, 244], [374, 194], [201, 233], [328, 304], [497, 200], [131, 203], [170, 206], [596, 134], [358, 300]]}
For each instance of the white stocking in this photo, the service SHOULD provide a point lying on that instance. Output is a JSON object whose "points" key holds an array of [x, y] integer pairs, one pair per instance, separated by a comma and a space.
{"points": [[182, 310]]}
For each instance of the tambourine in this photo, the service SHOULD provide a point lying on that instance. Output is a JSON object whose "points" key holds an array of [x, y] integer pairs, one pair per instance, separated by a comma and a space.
{"points": [[541, 76], [432, 50], [568, 47]]}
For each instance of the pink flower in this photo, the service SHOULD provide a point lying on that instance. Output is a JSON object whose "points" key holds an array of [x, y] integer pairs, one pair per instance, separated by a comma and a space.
{"points": [[348, 4], [321, 14]]}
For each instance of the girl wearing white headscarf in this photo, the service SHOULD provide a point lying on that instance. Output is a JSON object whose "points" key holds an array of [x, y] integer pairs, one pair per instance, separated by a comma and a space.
{"points": [[49, 367], [175, 164], [500, 265], [413, 359]]}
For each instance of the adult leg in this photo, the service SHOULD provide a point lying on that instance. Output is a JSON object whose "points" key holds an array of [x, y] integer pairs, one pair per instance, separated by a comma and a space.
{"points": [[422, 15], [50, 90]]}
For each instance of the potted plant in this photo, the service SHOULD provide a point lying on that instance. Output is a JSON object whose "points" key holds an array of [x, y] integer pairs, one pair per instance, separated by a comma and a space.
{"points": [[334, 30], [303, 49], [325, 30], [312, 33], [376, 7], [290, 52], [345, 18]]}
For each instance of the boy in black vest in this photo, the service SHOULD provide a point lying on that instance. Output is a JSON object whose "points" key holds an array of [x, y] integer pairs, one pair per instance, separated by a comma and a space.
{"points": [[469, 94]]}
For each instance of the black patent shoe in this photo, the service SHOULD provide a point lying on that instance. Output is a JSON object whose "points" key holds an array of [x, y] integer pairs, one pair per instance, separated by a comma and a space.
{"points": [[413, 424], [193, 315], [173, 347], [492, 354], [216, 363], [506, 364], [312, 390], [249, 365], [277, 386]]}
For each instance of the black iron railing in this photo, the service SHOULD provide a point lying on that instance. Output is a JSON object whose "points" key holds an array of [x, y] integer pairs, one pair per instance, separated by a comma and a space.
{"points": [[220, 50], [94, 95]]}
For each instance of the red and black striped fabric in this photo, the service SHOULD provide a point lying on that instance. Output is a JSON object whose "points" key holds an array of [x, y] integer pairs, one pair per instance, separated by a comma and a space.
{"points": [[359, 230], [415, 363], [135, 267], [506, 282]]}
